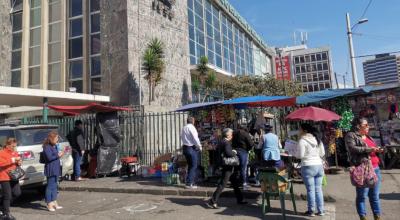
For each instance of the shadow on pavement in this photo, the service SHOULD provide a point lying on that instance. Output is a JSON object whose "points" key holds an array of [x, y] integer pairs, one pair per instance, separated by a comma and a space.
{"points": [[232, 209], [30, 199], [390, 196]]}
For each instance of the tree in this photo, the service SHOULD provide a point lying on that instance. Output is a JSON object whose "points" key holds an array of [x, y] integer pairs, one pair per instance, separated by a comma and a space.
{"points": [[259, 85], [210, 83], [154, 65], [203, 69], [196, 87]]}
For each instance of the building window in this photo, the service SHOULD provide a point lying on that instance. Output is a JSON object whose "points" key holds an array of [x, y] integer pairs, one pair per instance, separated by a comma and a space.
{"points": [[54, 46], [34, 44], [16, 19], [313, 58], [319, 57], [75, 42], [324, 56], [95, 45]]}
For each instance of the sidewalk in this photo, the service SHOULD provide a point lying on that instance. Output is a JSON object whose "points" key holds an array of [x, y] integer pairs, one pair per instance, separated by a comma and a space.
{"points": [[338, 188]]}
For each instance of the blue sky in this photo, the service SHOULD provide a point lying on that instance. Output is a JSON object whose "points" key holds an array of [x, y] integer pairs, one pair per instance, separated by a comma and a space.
{"points": [[325, 22]]}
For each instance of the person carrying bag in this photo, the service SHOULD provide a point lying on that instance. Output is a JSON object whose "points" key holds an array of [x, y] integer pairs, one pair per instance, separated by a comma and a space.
{"points": [[10, 174]]}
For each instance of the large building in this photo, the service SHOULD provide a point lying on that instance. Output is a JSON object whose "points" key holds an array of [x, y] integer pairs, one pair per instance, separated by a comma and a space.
{"points": [[384, 69], [96, 46], [310, 67]]}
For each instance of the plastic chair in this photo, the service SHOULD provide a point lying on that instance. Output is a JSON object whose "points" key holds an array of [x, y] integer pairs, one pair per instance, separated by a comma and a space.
{"points": [[273, 184]]}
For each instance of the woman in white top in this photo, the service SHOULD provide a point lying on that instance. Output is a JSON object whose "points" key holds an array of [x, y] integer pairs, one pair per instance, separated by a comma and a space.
{"points": [[311, 151]]}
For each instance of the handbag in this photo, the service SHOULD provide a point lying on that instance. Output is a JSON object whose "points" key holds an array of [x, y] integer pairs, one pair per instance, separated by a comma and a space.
{"points": [[363, 175], [230, 161], [16, 174]]}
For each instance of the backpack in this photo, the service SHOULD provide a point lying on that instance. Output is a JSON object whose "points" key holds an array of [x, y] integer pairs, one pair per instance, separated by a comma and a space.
{"points": [[42, 157]]}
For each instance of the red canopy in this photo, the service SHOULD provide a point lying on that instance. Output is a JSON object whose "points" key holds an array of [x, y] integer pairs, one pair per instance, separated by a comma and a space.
{"points": [[91, 108], [313, 114]]}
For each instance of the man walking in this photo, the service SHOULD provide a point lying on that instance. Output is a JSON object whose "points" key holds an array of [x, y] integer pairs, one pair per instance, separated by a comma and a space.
{"points": [[243, 143], [76, 139], [191, 150]]}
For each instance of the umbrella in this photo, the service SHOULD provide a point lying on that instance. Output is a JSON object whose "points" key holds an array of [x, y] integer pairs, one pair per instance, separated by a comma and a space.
{"points": [[313, 114], [90, 108]]}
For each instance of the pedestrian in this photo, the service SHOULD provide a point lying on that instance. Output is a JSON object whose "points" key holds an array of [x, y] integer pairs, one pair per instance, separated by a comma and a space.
{"points": [[311, 151], [270, 146], [10, 190], [229, 173], [191, 150], [52, 170], [76, 138], [361, 148], [242, 143]]}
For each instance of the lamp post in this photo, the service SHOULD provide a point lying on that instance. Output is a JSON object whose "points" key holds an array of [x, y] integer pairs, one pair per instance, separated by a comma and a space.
{"points": [[351, 49], [279, 52]]}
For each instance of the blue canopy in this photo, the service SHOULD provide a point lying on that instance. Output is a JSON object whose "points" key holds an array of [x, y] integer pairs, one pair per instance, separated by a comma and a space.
{"points": [[197, 105], [261, 101], [327, 94]]}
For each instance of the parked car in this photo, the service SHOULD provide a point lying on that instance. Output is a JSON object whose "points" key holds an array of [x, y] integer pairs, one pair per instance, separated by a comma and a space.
{"points": [[30, 139]]}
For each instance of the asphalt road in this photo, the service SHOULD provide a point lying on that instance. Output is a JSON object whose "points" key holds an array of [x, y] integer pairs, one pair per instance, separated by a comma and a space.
{"points": [[99, 206], [116, 206]]}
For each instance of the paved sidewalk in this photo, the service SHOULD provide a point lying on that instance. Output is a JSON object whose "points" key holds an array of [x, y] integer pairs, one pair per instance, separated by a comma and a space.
{"points": [[338, 188]]}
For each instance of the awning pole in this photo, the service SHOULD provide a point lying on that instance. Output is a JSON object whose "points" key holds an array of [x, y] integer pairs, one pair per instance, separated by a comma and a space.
{"points": [[45, 110]]}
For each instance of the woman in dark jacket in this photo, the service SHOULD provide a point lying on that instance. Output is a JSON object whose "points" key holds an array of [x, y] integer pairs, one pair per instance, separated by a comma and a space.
{"points": [[227, 171], [361, 147], [52, 170]]}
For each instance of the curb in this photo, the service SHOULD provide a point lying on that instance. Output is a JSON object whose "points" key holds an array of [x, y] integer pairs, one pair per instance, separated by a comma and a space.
{"points": [[181, 192]]}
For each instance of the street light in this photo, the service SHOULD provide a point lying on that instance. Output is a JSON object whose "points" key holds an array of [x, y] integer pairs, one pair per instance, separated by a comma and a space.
{"points": [[351, 49], [279, 52]]}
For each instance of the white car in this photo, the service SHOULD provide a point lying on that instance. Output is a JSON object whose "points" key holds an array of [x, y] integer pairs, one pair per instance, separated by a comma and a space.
{"points": [[30, 140]]}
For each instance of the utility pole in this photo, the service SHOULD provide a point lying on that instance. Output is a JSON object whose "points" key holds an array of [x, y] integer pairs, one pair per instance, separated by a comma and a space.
{"points": [[344, 81], [351, 50], [336, 80]]}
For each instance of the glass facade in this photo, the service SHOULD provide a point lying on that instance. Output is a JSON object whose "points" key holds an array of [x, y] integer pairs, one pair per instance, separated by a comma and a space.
{"points": [[213, 33], [313, 71], [95, 45], [54, 45], [16, 48], [34, 43]]}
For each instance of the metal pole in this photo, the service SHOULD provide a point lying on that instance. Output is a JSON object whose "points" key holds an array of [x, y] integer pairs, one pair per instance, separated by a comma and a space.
{"points": [[336, 80], [344, 81], [283, 76], [351, 50]]}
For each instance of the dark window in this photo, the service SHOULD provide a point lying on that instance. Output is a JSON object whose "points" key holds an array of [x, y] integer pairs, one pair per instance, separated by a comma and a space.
{"points": [[319, 57], [95, 86], [303, 78], [95, 23], [95, 44], [15, 79], [321, 86], [75, 8], [325, 67], [310, 88], [96, 66], [301, 59], [324, 56], [76, 27], [320, 77], [94, 5], [75, 48], [75, 69], [313, 57], [316, 87], [315, 77], [319, 66], [78, 85], [309, 68], [326, 76], [303, 69], [327, 86], [296, 60], [307, 58], [15, 59], [17, 21], [17, 41], [297, 69]]}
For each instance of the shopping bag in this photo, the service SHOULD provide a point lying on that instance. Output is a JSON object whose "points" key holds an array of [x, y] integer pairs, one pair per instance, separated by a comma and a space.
{"points": [[324, 180]]}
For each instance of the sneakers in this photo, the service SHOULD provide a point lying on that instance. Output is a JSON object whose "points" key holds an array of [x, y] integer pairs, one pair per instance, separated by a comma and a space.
{"points": [[363, 218], [8, 217], [321, 213], [377, 217], [309, 214], [212, 205], [246, 186], [191, 186]]}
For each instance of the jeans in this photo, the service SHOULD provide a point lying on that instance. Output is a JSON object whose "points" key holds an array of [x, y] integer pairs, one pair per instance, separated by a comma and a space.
{"points": [[10, 191], [372, 194], [312, 177], [77, 163], [226, 176], [244, 161], [51, 189], [192, 158]]}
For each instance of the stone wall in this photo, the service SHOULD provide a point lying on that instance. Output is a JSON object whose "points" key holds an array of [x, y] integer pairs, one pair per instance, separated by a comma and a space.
{"points": [[144, 24], [5, 43]]}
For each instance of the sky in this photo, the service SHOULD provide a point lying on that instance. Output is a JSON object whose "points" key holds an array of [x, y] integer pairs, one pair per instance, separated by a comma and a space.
{"points": [[325, 21]]}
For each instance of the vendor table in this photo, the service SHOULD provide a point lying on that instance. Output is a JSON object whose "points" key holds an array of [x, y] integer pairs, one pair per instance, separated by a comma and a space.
{"points": [[393, 153]]}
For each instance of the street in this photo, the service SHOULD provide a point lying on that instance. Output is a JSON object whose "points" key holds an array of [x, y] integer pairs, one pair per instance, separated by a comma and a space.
{"points": [[99, 206]]}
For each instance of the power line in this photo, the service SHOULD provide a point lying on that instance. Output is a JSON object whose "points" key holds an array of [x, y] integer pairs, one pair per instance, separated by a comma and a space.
{"points": [[364, 13]]}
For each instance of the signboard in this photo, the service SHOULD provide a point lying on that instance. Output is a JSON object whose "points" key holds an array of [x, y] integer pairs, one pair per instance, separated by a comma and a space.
{"points": [[285, 66]]}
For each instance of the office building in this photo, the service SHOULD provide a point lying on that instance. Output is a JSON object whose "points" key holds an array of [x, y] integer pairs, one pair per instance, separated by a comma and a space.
{"points": [[310, 67], [96, 46], [383, 69]]}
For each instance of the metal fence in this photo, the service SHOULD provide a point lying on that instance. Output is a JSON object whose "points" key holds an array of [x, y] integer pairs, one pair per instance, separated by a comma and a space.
{"points": [[147, 135]]}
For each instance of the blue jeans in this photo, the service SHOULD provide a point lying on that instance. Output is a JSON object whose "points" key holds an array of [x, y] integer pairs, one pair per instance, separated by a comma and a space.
{"points": [[372, 194], [192, 158], [244, 161], [77, 163], [312, 177], [51, 189]]}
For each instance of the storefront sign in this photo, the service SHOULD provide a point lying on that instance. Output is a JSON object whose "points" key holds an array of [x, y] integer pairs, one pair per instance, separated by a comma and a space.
{"points": [[164, 7], [285, 66]]}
